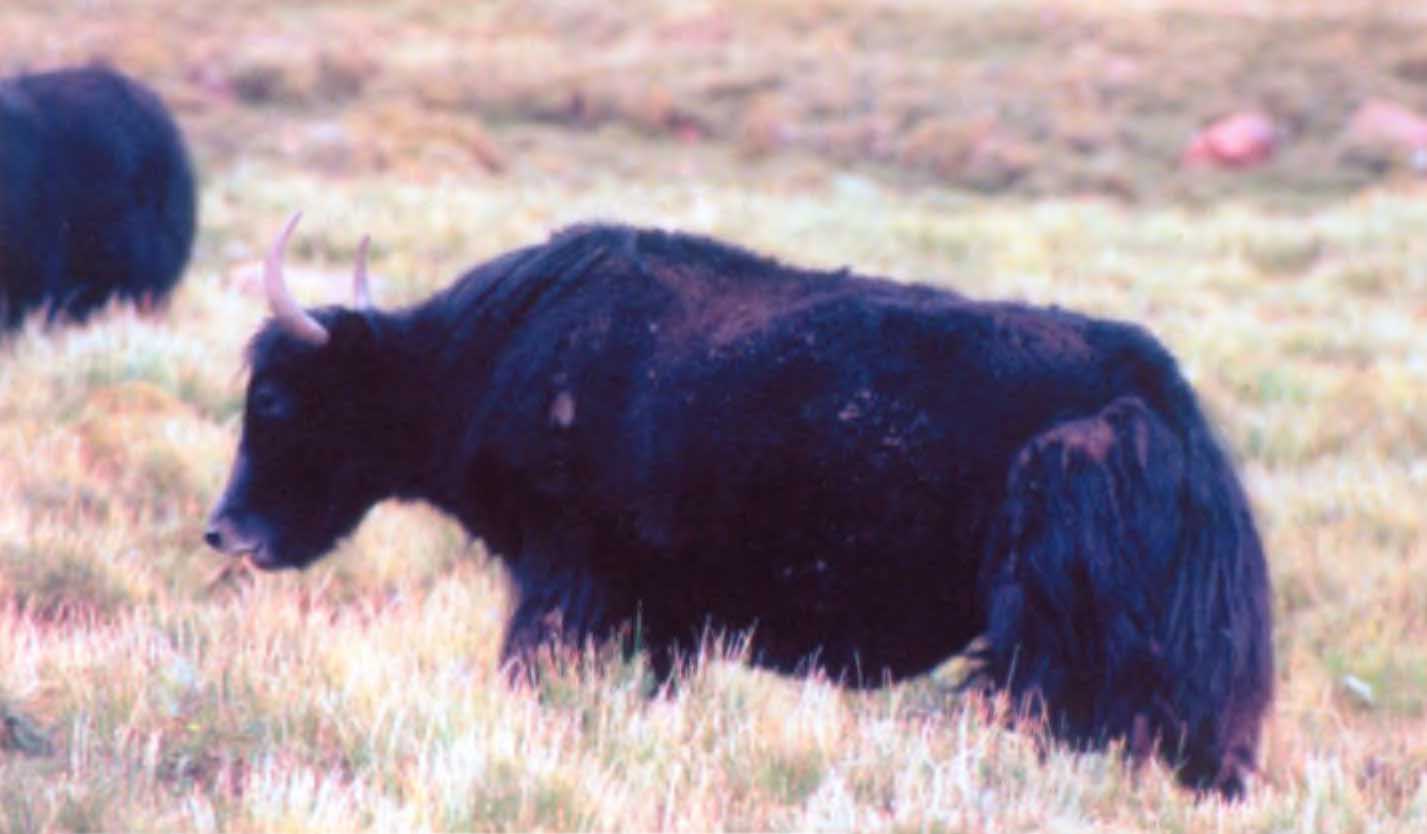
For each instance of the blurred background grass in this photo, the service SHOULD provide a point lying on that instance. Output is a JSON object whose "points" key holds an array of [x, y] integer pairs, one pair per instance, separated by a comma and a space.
{"points": [[1028, 98], [1017, 149]]}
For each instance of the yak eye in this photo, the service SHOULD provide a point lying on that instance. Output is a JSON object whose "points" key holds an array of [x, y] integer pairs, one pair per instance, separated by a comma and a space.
{"points": [[268, 402]]}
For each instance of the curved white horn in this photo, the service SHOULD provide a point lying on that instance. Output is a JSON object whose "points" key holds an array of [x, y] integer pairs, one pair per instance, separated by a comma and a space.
{"points": [[361, 289], [290, 316]]}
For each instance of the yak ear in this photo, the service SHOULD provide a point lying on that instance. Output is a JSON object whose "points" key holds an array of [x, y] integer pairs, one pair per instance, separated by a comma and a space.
{"points": [[352, 330]]}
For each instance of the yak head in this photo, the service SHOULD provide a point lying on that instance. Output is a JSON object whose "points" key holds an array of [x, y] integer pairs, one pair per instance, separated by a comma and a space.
{"points": [[316, 450]]}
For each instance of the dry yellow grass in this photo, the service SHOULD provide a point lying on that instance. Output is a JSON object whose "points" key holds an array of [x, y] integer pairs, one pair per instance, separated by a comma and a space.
{"points": [[138, 693]]}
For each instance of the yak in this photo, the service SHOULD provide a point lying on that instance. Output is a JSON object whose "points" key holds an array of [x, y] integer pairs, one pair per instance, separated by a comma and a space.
{"points": [[864, 477], [97, 194]]}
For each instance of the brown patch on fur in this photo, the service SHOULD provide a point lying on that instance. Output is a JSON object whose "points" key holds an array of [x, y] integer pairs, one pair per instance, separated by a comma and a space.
{"points": [[1034, 333], [719, 308], [1091, 438]]}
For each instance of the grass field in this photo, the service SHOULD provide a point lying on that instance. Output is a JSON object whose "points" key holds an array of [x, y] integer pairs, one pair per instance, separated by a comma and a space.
{"points": [[1020, 149]]}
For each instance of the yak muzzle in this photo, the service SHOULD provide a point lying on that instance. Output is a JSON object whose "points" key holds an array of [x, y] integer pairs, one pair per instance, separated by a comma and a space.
{"points": [[225, 537]]}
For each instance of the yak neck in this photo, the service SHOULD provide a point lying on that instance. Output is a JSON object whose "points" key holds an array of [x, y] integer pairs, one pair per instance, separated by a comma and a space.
{"points": [[409, 396], [438, 371]]}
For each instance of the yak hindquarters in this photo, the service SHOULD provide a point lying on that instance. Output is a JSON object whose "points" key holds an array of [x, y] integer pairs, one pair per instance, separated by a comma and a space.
{"points": [[1128, 594]]}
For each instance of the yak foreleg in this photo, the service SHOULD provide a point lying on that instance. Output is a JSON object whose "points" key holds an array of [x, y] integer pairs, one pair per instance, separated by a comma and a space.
{"points": [[559, 610]]}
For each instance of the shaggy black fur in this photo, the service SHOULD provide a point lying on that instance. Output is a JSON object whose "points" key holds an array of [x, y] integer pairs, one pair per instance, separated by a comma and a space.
{"points": [[866, 474], [96, 194]]}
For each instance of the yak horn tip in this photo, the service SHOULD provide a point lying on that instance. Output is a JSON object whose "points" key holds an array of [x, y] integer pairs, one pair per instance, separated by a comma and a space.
{"points": [[292, 223], [289, 314], [280, 242]]}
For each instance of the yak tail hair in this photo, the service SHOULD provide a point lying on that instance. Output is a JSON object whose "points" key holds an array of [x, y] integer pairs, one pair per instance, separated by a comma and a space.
{"points": [[1128, 594]]}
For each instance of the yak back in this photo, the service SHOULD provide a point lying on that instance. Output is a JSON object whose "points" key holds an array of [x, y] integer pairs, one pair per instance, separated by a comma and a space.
{"points": [[708, 423]]}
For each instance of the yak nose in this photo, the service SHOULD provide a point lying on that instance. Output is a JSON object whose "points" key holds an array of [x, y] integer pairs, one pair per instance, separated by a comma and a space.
{"points": [[221, 535], [226, 535]]}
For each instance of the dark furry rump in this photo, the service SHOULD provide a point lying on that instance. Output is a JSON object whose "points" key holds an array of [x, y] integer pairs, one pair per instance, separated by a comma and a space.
{"points": [[1128, 592]]}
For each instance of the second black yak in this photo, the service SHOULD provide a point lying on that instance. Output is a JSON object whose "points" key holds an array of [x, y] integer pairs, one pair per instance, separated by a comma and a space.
{"points": [[97, 195], [863, 475]]}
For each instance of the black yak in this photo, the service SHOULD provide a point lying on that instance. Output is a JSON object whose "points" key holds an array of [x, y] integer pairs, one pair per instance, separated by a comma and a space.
{"points": [[659, 428], [96, 194]]}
